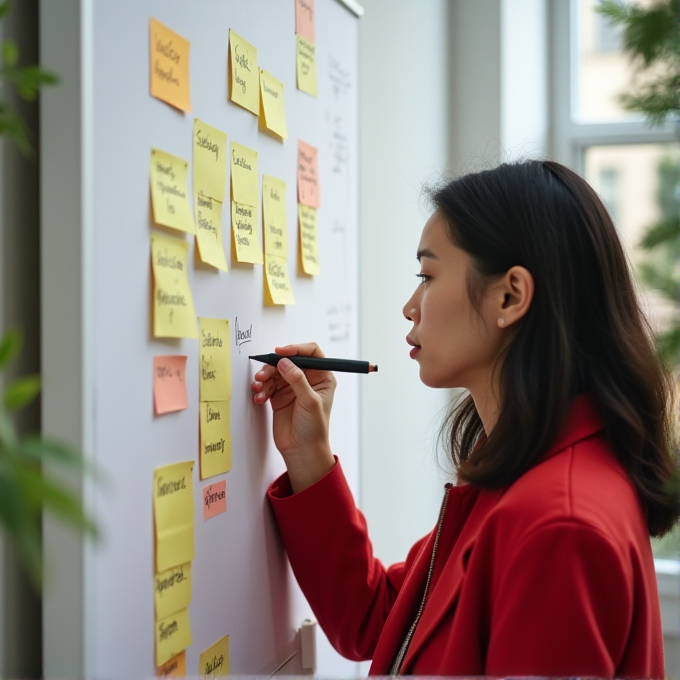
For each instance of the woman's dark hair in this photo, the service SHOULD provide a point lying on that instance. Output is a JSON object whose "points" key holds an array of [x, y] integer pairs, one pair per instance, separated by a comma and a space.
{"points": [[584, 331]]}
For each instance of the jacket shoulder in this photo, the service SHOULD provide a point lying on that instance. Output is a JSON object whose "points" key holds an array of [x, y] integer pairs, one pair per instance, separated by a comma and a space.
{"points": [[584, 483]]}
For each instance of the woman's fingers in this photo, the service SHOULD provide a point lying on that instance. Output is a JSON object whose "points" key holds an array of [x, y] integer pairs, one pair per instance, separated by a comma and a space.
{"points": [[268, 379]]}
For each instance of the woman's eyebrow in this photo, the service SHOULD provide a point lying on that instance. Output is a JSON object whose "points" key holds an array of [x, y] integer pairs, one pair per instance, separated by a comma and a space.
{"points": [[425, 252]]}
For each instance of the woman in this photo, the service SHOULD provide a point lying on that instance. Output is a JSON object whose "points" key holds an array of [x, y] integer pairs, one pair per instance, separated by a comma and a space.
{"points": [[540, 563]]}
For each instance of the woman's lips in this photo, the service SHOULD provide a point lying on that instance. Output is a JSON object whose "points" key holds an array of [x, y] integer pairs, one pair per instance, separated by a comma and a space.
{"points": [[416, 348]]}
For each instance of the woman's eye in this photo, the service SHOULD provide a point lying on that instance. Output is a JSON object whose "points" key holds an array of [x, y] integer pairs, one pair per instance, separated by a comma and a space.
{"points": [[423, 277]]}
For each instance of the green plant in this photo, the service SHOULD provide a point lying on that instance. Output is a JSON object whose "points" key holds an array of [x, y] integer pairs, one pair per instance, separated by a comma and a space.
{"points": [[27, 81], [25, 487]]}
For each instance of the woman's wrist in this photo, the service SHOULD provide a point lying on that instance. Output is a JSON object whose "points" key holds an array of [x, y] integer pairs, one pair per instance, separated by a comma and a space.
{"points": [[304, 471]]}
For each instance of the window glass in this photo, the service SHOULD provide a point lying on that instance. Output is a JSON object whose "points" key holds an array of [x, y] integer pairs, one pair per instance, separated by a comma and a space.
{"points": [[602, 69]]}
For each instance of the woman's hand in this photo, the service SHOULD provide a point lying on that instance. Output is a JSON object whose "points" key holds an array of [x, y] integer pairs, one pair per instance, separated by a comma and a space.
{"points": [[301, 401]]}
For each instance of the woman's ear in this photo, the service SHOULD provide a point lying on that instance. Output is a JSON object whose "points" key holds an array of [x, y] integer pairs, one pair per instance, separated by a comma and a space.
{"points": [[517, 291]]}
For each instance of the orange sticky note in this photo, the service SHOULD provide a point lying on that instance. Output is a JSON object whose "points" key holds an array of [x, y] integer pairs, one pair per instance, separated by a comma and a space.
{"points": [[169, 384], [308, 175], [174, 668], [214, 499], [305, 14], [169, 66]]}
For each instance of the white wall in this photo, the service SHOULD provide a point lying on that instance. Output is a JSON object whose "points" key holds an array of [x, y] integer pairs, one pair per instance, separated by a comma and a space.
{"points": [[403, 143]]}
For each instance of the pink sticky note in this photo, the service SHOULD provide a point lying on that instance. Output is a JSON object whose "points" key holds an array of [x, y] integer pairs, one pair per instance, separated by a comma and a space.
{"points": [[214, 499], [309, 192], [169, 384], [304, 19]]}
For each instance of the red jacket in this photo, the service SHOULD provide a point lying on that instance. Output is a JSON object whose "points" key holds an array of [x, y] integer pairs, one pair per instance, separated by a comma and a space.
{"points": [[551, 576]]}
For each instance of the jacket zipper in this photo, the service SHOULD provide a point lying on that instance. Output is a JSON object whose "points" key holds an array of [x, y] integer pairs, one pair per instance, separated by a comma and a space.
{"points": [[399, 659]]}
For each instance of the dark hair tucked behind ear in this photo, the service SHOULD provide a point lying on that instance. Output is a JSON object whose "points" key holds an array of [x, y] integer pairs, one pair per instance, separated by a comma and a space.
{"points": [[584, 330]]}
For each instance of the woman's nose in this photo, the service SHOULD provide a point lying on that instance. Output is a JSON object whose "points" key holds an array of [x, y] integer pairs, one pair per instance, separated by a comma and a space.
{"points": [[409, 310]]}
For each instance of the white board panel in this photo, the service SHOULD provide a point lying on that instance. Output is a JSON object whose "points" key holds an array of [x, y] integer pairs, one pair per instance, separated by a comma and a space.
{"points": [[242, 584]]}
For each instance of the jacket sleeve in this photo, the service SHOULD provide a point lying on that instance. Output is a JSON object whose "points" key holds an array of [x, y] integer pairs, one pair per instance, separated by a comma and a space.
{"points": [[325, 536], [563, 605]]}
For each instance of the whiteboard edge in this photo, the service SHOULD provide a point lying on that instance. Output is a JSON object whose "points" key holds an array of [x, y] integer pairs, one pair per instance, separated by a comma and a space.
{"points": [[353, 6]]}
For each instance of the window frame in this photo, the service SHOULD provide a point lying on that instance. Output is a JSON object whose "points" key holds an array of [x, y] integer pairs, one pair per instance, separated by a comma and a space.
{"points": [[570, 138]]}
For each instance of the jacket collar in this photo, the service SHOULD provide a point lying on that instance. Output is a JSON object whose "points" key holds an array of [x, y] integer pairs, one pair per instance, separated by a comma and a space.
{"points": [[583, 421]]}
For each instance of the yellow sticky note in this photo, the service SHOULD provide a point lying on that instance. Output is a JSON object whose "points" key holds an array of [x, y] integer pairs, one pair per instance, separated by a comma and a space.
{"points": [[245, 227], [173, 315], [243, 81], [306, 66], [209, 231], [277, 290], [173, 590], [173, 635], [173, 668], [309, 241], [214, 360], [274, 216], [210, 161], [215, 454], [244, 183], [215, 660], [169, 197], [173, 506], [273, 109], [169, 66]]}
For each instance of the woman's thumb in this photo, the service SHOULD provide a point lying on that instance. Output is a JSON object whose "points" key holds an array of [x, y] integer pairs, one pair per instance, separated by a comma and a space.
{"points": [[296, 378]]}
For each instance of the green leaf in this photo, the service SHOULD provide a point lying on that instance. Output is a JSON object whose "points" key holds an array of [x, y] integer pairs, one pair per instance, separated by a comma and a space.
{"points": [[21, 524], [39, 449], [663, 231], [10, 346], [10, 53], [668, 346], [29, 80], [12, 124], [4, 8], [40, 490], [9, 442], [22, 392]]}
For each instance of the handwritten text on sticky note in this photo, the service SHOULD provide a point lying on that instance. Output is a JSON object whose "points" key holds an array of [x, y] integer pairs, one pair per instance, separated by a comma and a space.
{"points": [[169, 195], [169, 383], [172, 590], [215, 436], [210, 160], [173, 668], [173, 635], [309, 192], [214, 499], [169, 66], [305, 18], [215, 660], [173, 505], [173, 304], [273, 108], [244, 86], [305, 66], [214, 359], [209, 231]]}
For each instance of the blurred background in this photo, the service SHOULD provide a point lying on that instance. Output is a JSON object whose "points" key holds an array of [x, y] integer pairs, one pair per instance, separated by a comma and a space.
{"points": [[447, 86]]}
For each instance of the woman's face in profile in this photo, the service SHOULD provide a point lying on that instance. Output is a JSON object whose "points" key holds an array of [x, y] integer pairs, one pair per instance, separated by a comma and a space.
{"points": [[454, 344]]}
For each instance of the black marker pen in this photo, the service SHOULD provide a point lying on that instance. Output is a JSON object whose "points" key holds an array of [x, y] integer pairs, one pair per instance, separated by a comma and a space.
{"points": [[320, 363]]}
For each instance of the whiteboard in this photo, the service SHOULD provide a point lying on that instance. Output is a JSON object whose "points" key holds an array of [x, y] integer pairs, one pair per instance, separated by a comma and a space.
{"points": [[242, 582]]}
